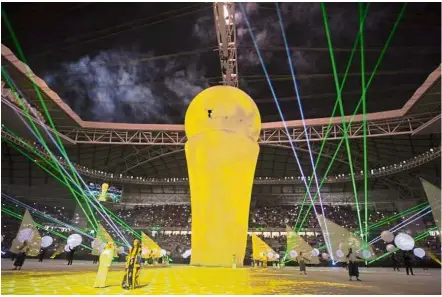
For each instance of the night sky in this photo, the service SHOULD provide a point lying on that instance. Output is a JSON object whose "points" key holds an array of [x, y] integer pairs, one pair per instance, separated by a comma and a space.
{"points": [[129, 62]]}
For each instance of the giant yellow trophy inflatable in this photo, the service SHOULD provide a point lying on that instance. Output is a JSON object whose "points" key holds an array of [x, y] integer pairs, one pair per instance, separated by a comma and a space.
{"points": [[222, 126]]}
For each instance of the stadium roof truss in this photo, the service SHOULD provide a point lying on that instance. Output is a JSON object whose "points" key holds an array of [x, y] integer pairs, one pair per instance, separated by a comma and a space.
{"points": [[419, 117]]}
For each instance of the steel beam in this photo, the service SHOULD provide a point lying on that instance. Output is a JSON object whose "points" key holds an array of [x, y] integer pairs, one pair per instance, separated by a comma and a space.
{"points": [[376, 128], [419, 160], [224, 13]]}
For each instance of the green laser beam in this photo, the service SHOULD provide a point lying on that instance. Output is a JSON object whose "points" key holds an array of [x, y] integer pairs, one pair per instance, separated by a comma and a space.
{"points": [[19, 217], [122, 223], [364, 124], [329, 126], [44, 144], [46, 111], [416, 239], [53, 220], [341, 108], [381, 56], [390, 219]]}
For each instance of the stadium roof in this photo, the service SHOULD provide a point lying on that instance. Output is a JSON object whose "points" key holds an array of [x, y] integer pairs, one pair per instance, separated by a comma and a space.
{"points": [[275, 160], [407, 88], [167, 73]]}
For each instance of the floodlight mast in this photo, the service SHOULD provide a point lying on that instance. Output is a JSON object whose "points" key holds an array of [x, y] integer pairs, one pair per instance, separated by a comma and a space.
{"points": [[224, 13]]}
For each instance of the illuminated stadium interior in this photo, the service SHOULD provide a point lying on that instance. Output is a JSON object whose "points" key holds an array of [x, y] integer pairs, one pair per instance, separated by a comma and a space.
{"points": [[93, 137]]}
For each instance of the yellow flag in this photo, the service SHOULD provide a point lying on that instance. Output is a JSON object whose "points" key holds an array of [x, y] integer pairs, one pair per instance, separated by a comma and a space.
{"points": [[433, 194], [296, 243], [341, 240], [102, 238], [58, 251], [148, 246], [261, 250], [433, 256], [27, 232]]}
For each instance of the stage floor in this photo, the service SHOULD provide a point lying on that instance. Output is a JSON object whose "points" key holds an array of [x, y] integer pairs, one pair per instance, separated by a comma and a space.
{"points": [[55, 277]]}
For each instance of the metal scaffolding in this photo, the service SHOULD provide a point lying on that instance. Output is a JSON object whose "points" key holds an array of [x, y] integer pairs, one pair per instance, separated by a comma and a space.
{"points": [[375, 128], [405, 165], [224, 13]]}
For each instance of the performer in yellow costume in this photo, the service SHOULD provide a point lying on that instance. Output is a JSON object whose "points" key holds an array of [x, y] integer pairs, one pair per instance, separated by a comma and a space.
{"points": [[133, 264], [104, 188], [106, 258]]}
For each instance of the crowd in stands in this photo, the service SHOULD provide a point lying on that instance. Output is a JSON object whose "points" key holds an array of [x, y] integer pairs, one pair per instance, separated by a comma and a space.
{"points": [[260, 217], [154, 220], [21, 102]]}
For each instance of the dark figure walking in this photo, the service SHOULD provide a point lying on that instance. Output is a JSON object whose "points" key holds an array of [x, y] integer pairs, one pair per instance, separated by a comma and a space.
{"points": [[95, 259], [408, 261], [301, 260], [395, 262], [41, 255], [21, 256], [71, 255], [353, 269]]}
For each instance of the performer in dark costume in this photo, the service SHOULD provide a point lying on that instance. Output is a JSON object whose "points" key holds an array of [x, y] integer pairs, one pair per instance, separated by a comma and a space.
{"points": [[133, 264], [353, 269], [395, 262], [408, 261], [301, 260], [71, 255], [41, 255], [21, 256], [150, 259]]}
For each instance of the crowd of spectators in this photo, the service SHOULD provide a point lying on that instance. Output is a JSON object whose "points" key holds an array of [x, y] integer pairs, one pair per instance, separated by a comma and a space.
{"points": [[179, 216], [154, 220], [22, 103]]}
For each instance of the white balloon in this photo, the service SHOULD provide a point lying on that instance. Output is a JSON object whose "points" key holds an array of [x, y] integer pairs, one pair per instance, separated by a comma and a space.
{"points": [[75, 240], [419, 252], [120, 249], [163, 252], [98, 245], [270, 255], [366, 254], [339, 254], [66, 248], [387, 236], [277, 256], [390, 248], [25, 234], [293, 254], [325, 256], [315, 252], [46, 241], [404, 241], [187, 254]]}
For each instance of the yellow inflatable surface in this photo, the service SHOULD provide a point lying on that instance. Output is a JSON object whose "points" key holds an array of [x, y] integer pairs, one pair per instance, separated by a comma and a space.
{"points": [[222, 126], [261, 250]]}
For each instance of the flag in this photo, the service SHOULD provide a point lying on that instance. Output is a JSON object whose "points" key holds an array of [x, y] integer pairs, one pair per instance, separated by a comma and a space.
{"points": [[28, 231], [434, 198], [148, 245], [58, 251], [261, 249], [341, 240], [296, 243]]}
